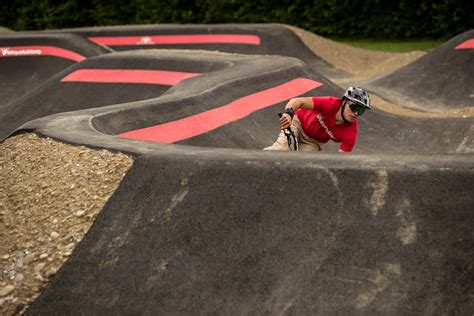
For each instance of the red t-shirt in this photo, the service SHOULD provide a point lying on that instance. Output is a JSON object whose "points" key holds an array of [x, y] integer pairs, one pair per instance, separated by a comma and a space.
{"points": [[320, 123]]}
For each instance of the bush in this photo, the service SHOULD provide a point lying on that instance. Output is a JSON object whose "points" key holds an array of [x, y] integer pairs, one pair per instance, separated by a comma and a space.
{"points": [[405, 19]]}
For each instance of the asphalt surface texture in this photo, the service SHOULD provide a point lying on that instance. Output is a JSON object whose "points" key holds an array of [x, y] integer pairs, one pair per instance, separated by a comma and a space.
{"points": [[206, 222]]}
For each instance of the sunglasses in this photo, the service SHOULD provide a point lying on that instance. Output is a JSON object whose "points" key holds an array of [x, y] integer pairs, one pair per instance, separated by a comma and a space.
{"points": [[357, 108]]}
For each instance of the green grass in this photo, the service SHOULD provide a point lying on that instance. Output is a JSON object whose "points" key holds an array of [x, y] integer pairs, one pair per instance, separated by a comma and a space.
{"points": [[392, 45]]}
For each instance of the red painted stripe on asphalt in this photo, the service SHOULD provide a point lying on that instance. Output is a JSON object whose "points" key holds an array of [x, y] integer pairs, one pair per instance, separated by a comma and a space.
{"points": [[466, 45], [207, 121], [161, 77], [177, 39], [19, 51]]}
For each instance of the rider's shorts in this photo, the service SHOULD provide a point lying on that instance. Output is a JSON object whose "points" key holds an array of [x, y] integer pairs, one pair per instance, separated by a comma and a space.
{"points": [[305, 142]]}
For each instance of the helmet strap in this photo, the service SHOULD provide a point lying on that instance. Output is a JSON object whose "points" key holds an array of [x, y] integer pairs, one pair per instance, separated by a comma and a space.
{"points": [[342, 112]]}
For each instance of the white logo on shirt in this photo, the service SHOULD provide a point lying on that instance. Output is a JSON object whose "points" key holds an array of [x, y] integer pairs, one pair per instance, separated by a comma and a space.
{"points": [[328, 131]]}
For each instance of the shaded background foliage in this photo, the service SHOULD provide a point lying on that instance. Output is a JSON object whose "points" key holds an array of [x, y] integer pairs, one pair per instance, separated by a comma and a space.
{"points": [[380, 19]]}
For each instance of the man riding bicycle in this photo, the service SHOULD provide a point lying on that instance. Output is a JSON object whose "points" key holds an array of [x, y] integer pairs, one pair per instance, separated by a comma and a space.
{"points": [[309, 122]]}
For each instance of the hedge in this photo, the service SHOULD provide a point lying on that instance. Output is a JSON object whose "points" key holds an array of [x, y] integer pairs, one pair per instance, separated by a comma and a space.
{"points": [[404, 19]]}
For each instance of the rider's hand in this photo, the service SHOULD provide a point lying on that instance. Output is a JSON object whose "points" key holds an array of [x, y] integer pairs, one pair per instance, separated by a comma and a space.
{"points": [[285, 121]]}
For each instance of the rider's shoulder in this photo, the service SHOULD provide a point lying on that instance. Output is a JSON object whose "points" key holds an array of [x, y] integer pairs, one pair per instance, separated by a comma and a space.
{"points": [[327, 98], [327, 102]]}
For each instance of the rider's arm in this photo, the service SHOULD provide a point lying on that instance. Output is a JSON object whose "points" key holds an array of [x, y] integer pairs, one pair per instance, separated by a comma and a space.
{"points": [[295, 104], [300, 103], [347, 146]]}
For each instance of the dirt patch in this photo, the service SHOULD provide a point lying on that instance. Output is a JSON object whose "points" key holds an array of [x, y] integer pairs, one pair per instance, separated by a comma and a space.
{"points": [[5, 29], [361, 63], [393, 108], [50, 194]]}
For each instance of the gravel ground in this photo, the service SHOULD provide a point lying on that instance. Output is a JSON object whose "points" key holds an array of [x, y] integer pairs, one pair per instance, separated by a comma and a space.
{"points": [[50, 194]]}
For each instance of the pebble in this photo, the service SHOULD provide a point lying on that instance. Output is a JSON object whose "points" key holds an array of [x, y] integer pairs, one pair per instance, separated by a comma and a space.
{"points": [[51, 272], [6, 290], [39, 267], [55, 221], [43, 256], [80, 213], [19, 278], [29, 258], [54, 235]]}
